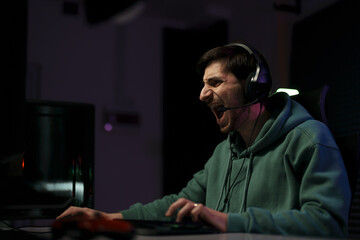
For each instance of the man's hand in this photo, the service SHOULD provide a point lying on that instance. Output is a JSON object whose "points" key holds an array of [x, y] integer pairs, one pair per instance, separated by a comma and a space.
{"points": [[78, 213], [198, 212]]}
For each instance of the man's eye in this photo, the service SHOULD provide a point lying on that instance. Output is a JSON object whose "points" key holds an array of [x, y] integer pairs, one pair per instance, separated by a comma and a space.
{"points": [[215, 83]]}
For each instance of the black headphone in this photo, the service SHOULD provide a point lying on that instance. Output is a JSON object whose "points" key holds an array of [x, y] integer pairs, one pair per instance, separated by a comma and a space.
{"points": [[258, 82]]}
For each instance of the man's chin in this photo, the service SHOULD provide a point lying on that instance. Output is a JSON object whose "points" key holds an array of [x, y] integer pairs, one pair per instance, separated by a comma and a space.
{"points": [[225, 129]]}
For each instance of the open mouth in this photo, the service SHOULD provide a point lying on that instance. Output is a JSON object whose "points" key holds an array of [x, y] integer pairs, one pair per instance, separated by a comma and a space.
{"points": [[216, 110]]}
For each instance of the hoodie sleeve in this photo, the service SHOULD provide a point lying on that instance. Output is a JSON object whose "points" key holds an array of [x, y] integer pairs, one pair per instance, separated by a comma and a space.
{"points": [[324, 199], [194, 191]]}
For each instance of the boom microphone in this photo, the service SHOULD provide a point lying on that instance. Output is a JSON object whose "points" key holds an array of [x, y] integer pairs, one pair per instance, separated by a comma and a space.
{"points": [[223, 109]]}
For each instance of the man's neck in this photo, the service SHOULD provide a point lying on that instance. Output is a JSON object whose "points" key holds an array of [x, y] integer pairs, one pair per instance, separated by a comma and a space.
{"points": [[257, 117]]}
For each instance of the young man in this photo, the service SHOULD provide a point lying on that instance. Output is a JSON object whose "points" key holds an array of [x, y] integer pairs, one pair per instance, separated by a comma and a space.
{"points": [[278, 172]]}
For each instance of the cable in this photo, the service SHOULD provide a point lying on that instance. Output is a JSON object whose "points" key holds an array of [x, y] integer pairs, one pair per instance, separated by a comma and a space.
{"points": [[226, 199]]}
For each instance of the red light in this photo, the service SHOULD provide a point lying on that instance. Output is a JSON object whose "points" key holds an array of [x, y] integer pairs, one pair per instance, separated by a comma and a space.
{"points": [[23, 164]]}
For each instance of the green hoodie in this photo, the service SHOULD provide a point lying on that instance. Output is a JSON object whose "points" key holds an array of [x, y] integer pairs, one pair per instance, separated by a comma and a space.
{"points": [[291, 181]]}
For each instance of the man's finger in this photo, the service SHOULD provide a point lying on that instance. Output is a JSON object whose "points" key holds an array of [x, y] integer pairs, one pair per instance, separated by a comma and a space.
{"points": [[174, 206], [68, 212], [184, 211], [196, 211]]}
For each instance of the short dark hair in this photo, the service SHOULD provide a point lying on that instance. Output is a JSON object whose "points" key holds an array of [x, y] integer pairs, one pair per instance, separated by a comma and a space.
{"points": [[238, 60]]}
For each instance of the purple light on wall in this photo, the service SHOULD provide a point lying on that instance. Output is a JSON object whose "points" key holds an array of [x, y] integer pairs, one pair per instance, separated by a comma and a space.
{"points": [[108, 127]]}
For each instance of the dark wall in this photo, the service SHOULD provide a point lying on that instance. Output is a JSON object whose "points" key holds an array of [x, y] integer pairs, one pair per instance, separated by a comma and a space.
{"points": [[190, 130], [12, 97], [326, 50]]}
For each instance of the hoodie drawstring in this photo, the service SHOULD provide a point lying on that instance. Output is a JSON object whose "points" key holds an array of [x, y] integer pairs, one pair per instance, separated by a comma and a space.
{"points": [[246, 186], [225, 179]]}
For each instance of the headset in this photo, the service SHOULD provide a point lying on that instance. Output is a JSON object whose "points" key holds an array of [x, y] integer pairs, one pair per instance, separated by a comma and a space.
{"points": [[258, 83]]}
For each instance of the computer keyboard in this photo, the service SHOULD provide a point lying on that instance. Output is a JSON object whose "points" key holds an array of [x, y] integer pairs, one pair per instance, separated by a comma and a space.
{"points": [[152, 227]]}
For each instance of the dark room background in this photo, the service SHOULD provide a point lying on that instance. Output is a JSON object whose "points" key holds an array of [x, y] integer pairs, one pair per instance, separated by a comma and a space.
{"points": [[141, 64]]}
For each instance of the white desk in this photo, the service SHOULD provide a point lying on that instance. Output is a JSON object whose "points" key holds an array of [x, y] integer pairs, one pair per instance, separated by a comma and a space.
{"points": [[45, 232], [226, 236]]}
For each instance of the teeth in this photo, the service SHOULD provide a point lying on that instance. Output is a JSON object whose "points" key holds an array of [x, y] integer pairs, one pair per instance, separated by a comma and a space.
{"points": [[216, 108]]}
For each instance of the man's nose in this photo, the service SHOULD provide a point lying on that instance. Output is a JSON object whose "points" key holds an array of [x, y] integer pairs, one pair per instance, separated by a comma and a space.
{"points": [[205, 94]]}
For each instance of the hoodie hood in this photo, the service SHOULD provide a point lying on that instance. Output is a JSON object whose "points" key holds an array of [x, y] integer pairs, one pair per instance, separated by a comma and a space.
{"points": [[283, 118]]}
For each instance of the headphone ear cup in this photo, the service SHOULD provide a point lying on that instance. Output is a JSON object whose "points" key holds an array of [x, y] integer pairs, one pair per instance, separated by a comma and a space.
{"points": [[263, 83], [250, 93], [259, 88]]}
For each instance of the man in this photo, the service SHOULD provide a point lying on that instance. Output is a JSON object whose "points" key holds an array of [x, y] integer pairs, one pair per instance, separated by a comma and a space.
{"points": [[278, 172]]}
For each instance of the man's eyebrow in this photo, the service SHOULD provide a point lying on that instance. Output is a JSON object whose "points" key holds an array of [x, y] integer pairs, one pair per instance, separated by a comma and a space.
{"points": [[212, 79]]}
